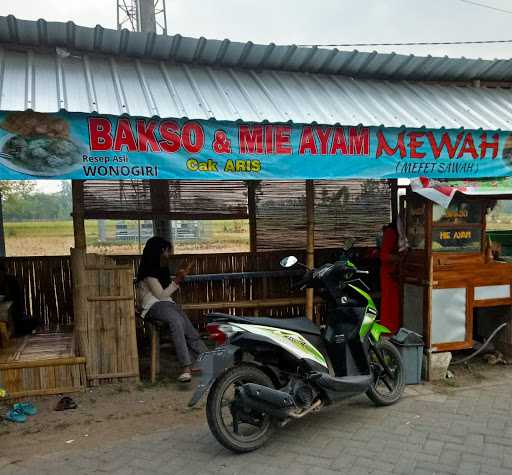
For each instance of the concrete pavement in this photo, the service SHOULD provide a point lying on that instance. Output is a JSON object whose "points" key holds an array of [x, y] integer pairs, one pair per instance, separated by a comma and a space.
{"points": [[457, 432]]}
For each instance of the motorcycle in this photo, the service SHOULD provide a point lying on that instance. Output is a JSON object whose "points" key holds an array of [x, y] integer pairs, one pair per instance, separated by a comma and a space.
{"points": [[269, 371]]}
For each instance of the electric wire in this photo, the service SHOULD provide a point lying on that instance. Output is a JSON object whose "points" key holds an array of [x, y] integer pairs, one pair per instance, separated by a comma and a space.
{"points": [[483, 5], [412, 43]]}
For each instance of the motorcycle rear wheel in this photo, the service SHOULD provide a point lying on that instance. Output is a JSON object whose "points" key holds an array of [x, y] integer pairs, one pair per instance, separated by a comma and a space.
{"points": [[216, 408], [386, 390]]}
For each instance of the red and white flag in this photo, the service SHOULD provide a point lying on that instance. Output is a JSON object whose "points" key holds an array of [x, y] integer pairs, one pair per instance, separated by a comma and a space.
{"points": [[436, 191]]}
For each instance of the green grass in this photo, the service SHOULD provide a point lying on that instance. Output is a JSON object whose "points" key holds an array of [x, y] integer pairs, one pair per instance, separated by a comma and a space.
{"points": [[39, 229], [52, 229], [233, 231]]}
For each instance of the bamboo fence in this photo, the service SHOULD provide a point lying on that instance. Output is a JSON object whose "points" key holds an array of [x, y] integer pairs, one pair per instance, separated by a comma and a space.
{"points": [[48, 295], [103, 299]]}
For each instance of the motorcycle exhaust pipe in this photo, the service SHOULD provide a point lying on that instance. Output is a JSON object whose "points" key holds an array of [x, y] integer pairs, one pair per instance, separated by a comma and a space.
{"points": [[262, 399]]}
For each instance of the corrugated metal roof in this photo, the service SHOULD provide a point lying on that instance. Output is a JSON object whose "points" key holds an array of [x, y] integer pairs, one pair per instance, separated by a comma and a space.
{"points": [[226, 53], [47, 82]]}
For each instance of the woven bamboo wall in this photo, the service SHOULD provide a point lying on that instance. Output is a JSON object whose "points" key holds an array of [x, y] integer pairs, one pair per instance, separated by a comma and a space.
{"points": [[104, 317], [46, 284], [52, 297], [188, 199], [343, 209]]}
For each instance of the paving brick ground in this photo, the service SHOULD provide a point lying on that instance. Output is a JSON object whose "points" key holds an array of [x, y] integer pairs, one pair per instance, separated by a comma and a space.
{"points": [[463, 432]]}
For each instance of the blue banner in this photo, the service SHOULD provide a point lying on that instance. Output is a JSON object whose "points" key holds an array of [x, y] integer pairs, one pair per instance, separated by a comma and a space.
{"points": [[83, 146]]}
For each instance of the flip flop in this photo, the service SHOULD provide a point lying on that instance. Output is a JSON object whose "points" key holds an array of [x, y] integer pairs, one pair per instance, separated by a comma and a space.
{"points": [[15, 415], [26, 408], [65, 403]]}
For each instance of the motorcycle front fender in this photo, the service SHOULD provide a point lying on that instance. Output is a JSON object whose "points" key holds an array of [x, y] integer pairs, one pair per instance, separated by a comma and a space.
{"points": [[212, 364], [377, 330]]}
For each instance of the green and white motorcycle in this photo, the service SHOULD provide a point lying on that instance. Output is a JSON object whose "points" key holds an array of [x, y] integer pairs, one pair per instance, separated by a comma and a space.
{"points": [[268, 371]]}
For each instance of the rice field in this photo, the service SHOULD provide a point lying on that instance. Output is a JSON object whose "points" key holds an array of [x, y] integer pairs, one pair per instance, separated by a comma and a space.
{"points": [[50, 238]]}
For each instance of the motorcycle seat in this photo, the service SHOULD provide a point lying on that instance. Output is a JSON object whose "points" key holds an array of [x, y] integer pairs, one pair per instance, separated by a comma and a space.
{"points": [[299, 324]]}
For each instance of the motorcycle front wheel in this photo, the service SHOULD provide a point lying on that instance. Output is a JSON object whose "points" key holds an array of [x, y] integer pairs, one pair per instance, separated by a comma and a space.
{"points": [[233, 428], [388, 374]]}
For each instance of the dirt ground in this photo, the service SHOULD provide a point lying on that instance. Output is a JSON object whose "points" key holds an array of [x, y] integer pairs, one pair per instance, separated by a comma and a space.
{"points": [[104, 414], [476, 372], [113, 412]]}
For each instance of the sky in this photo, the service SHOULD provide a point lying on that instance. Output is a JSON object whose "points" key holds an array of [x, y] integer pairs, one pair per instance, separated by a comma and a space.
{"points": [[309, 22]]}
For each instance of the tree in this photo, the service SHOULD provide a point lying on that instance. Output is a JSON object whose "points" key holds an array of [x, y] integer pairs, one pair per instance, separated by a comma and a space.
{"points": [[8, 187], [19, 205]]}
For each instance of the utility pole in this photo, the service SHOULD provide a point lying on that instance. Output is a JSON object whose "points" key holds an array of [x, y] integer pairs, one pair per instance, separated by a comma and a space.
{"points": [[142, 15], [149, 16]]}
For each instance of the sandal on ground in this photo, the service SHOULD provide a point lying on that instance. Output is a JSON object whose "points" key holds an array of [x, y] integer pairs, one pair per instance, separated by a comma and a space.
{"points": [[15, 415], [196, 370], [26, 408], [185, 377], [65, 403]]}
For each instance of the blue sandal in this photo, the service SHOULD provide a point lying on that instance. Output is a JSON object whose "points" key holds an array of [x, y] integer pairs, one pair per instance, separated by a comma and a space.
{"points": [[15, 415], [26, 408]]}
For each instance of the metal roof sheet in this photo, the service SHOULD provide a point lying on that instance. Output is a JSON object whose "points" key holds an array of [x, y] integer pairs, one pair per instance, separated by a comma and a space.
{"points": [[48, 82], [226, 53]]}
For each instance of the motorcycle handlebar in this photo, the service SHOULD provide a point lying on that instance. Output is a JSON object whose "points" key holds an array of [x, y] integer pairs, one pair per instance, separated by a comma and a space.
{"points": [[308, 277], [301, 282]]}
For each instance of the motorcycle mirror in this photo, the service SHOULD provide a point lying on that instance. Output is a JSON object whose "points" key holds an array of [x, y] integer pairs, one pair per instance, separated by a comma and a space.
{"points": [[349, 244], [289, 261]]}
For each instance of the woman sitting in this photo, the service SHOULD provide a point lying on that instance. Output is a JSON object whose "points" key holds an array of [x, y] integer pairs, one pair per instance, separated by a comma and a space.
{"points": [[155, 289]]}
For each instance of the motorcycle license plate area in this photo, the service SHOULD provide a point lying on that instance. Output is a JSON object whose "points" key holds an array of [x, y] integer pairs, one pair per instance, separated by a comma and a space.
{"points": [[211, 364]]}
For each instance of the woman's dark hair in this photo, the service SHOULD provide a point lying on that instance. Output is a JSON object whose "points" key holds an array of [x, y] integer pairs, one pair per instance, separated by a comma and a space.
{"points": [[150, 265]]}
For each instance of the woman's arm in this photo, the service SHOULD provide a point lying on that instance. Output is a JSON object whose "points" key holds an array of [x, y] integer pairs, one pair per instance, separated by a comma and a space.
{"points": [[158, 291]]}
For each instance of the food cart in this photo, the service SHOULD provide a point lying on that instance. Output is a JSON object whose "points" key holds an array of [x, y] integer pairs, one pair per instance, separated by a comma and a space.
{"points": [[451, 268]]}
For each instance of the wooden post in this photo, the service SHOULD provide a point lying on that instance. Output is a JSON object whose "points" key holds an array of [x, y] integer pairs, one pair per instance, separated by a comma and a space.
{"points": [[77, 190], [310, 241], [80, 300], [393, 185], [160, 206], [251, 205], [2, 233]]}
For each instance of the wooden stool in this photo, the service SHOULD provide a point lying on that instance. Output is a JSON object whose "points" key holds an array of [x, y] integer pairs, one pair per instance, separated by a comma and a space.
{"points": [[154, 333], [154, 329]]}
